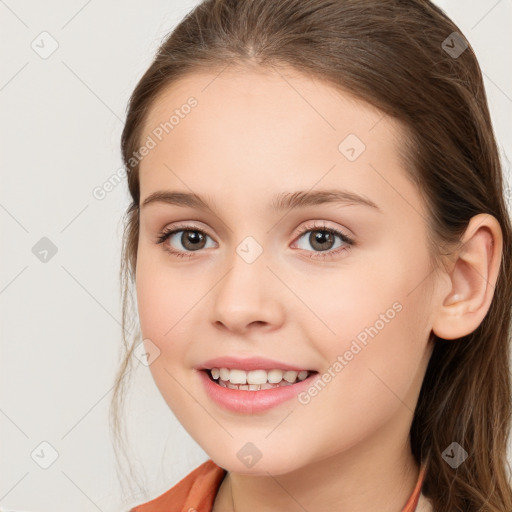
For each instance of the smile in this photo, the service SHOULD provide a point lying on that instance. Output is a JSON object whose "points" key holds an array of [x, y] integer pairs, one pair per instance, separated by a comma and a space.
{"points": [[256, 380], [253, 391]]}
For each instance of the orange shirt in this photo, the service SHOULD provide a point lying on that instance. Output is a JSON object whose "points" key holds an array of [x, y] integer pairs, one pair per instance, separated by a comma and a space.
{"points": [[196, 493]]}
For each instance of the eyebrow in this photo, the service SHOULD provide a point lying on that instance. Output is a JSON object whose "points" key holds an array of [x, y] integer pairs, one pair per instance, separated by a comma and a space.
{"points": [[282, 201]]}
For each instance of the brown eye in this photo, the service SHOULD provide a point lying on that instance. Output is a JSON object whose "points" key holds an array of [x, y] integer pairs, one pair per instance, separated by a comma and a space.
{"points": [[182, 242], [192, 240], [321, 240]]}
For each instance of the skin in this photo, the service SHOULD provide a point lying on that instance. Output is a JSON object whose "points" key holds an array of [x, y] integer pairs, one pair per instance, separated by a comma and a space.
{"points": [[254, 134]]}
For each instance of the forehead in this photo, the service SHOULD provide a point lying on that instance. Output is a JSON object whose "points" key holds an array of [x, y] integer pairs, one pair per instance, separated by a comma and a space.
{"points": [[264, 128], [270, 95]]}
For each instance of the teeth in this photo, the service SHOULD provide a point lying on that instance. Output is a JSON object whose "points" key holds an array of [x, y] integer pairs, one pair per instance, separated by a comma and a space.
{"points": [[238, 377], [256, 379], [290, 376], [303, 374], [275, 376]]}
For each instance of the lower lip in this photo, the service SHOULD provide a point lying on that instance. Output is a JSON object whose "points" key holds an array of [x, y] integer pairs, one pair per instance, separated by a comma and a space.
{"points": [[249, 402]]}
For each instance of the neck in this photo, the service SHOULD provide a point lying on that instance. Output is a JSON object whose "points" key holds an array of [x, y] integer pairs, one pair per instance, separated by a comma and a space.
{"points": [[351, 482]]}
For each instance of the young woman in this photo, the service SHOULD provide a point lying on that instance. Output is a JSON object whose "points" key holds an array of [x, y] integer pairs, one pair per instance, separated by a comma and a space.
{"points": [[321, 254]]}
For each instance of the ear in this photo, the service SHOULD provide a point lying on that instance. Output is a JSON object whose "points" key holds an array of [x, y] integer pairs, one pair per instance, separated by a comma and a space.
{"points": [[473, 277]]}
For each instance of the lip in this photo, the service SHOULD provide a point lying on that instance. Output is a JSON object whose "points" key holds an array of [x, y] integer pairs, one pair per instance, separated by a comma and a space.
{"points": [[248, 364], [249, 402]]}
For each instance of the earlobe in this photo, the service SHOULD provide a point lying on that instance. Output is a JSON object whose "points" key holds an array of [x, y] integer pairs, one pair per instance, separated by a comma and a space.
{"points": [[473, 278]]}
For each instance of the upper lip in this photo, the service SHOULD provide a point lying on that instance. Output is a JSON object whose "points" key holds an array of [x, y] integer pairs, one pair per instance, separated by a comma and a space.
{"points": [[250, 363]]}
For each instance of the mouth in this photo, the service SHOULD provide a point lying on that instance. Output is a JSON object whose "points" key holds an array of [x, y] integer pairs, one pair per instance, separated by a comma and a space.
{"points": [[256, 380]]}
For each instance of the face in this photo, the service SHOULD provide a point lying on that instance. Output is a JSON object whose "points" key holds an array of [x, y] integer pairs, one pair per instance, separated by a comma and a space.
{"points": [[257, 274]]}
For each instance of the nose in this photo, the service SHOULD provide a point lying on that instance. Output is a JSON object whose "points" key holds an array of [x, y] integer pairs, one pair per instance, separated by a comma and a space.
{"points": [[248, 296]]}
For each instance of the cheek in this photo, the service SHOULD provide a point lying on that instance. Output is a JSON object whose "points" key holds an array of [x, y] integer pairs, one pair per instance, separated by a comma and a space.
{"points": [[370, 376], [347, 301], [163, 297], [385, 285], [163, 303], [375, 317]]}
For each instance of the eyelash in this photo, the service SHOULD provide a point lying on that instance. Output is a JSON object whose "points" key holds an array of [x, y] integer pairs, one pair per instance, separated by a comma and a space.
{"points": [[166, 233]]}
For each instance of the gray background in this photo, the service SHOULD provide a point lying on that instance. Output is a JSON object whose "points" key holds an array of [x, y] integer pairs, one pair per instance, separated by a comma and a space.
{"points": [[62, 118]]}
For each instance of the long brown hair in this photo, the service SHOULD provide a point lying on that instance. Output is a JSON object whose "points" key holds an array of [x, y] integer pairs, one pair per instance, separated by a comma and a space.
{"points": [[395, 55]]}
